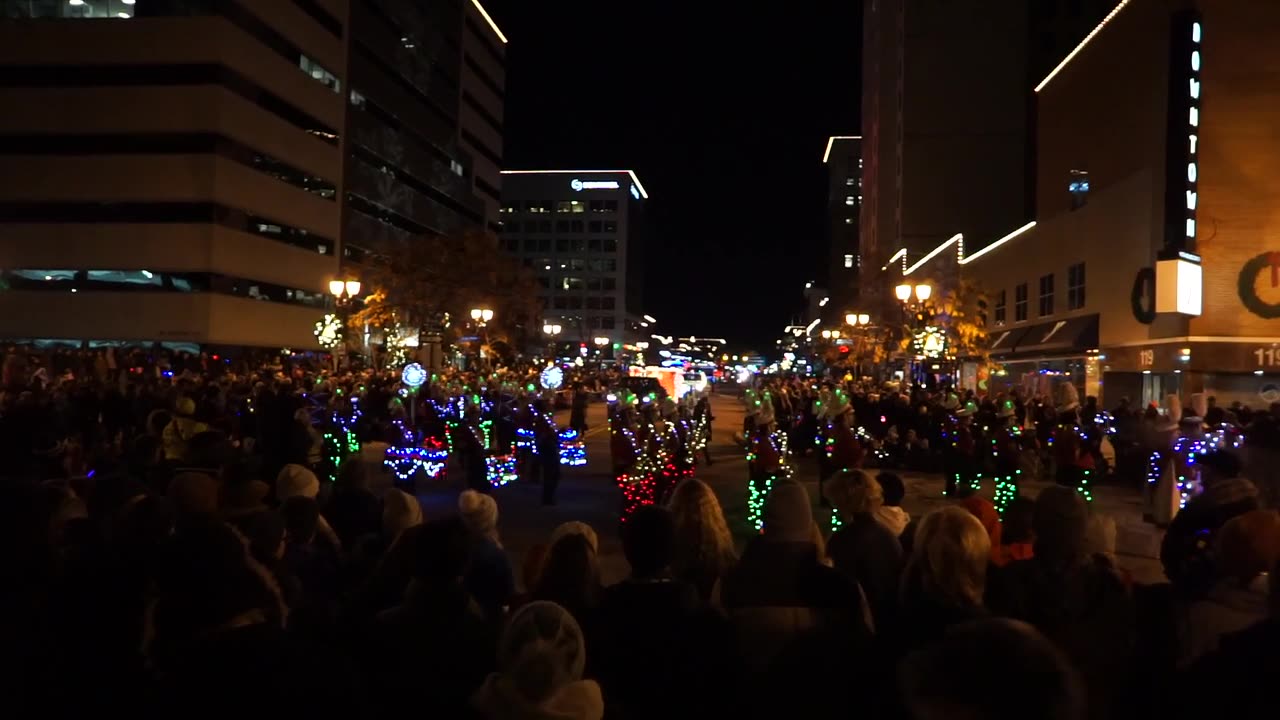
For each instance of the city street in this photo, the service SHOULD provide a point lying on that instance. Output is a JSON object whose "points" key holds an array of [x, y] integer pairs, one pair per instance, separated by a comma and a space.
{"points": [[588, 494]]}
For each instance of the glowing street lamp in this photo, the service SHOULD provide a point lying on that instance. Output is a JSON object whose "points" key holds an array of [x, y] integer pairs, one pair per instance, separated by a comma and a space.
{"points": [[602, 341], [481, 315], [344, 290], [923, 292], [550, 329], [856, 319]]}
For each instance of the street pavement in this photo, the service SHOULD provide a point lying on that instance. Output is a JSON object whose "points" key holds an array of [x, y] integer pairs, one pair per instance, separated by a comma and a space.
{"points": [[588, 494]]}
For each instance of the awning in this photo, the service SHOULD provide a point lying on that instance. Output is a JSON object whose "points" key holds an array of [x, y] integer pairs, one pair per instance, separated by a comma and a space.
{"points": [[1003, 341], [1078, 334]]}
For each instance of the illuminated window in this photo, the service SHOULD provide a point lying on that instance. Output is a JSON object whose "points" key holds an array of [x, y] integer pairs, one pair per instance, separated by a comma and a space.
{"points": [[848, 221], [1078, 186], [850, 181], [848, 261], [1020, 303], [850, 200], [1046, 295], [1001, 300], [563, 206], [1075, 286], [577, 206]]}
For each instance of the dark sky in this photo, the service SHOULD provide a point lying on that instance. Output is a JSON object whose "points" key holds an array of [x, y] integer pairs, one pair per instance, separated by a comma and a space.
{"points": [[723, 113]]}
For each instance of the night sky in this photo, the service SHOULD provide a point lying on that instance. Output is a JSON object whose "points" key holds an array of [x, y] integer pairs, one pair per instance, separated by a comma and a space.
{"points": [[724, 116]]}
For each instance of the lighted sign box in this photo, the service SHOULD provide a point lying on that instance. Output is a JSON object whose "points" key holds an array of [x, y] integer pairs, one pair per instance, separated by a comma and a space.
{"points": [[1179, 286], [580, 185]]}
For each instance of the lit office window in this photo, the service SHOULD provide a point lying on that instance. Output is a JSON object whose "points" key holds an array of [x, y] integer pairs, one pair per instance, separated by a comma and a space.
{"points": [[562, 206], [850, 181], [848, 221], [848, 261], [319, 73], [577, 206], [850, 200]]}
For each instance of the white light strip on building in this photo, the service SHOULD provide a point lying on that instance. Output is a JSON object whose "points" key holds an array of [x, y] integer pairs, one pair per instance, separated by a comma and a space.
{"points": [[832, 141], [632, 173], [489, 20], [1080, 47], [901, 252], [958, 237], [809, 329], [998, 243]]}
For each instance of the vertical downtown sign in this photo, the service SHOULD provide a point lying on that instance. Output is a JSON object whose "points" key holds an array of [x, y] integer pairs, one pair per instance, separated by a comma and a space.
{"points": [[1179, 275]]}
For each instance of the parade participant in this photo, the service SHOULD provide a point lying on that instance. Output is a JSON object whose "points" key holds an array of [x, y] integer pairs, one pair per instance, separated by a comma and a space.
{"points": [[843, 449], [1006, 452], [766, 461], [547, 439], [959, 451], [702, 419], [1073, 463]]}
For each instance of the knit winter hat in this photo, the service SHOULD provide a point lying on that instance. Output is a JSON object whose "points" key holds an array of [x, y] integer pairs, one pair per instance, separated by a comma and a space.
{"points": [[541, 650], [479, 512], [400, 511], [296, 480], [194, 493], [788, 515], [573, 527]]}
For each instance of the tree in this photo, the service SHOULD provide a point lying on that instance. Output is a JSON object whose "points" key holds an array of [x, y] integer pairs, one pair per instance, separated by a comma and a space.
{"points": [[434, 281], [960, 316]]}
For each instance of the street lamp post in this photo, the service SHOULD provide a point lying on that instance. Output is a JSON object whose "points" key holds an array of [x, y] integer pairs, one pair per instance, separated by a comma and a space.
{"points": [[552, 331], [481, 318], [343, 292], [912, 298]]}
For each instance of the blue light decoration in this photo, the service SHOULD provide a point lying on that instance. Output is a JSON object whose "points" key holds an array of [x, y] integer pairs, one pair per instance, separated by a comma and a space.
{"points": [[405, 461], [500, 470], [551, 377], [573, 452], [413, 375]]}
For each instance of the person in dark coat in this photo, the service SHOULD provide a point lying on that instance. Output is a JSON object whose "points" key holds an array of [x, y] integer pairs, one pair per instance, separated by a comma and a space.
{"points": [[1185, 551], [799, 624], [578, 409], [863, 548], [437, 641], [1077, 599]]}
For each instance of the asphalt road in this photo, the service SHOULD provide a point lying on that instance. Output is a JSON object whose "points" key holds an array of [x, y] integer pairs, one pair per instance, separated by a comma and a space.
{"points": [[588, 494]]}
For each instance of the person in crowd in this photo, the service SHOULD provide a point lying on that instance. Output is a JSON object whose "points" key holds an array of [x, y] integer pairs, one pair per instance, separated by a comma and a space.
{"points": [[312, 562], [1186, 551], [438, 631], [1238, 679], [1078, 600], [194, 497], [570, 577], [863, 548], [798, 623], [986, 512], [181, 429], [489, 578], [995, 669], [1017, 536], [578, 409], [540, 661], [218, 623], [704, 550], [1247, 548], [945, 577], [651, 633], [400, 512], [891, 514]]}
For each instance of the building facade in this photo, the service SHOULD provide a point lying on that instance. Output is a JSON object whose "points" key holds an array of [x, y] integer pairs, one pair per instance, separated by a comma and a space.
{"points": [[484, 73], [1147, 269], [843, 158], [580, 233], [200, 172]]}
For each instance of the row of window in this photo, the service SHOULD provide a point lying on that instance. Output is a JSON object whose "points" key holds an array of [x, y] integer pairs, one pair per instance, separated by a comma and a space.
{"points": [[149, 213], [148, 281], [561, 245], [562, 206], [1021, 301], [573, 265], [591, 284], [560, 226], [577, 302]]}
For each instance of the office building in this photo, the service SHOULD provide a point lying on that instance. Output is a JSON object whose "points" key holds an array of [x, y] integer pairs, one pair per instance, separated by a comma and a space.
{"points": [[481, 113], [197, 171], [580, 232], [843, 158], [1148, 268]]}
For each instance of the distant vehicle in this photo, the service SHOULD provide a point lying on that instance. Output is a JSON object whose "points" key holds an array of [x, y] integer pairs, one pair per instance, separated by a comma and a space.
{"points": [[695, 381], [640, 385]]}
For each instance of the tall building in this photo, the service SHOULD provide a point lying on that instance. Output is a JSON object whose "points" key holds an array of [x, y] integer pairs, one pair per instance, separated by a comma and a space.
{"points": [[1150, 267], [196, 171], [580, 232], [483, 87], [843, 158], [947, 116]]}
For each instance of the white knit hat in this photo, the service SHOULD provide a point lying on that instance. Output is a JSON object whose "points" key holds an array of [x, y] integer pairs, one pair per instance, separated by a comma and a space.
{"points": [[479, 512], [400, 511], [296, 481]]}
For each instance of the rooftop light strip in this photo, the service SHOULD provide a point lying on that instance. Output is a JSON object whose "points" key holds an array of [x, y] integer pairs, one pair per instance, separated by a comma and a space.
{"points": [[933, 253], [901, 252], [631, 173], [1080, 47], [832, 141], [998, 243], [484, 13]]}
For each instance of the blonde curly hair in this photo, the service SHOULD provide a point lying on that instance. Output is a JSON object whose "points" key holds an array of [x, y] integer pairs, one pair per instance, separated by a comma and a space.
{"points": [[702, 535], [855, 491], [950, 557]]}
